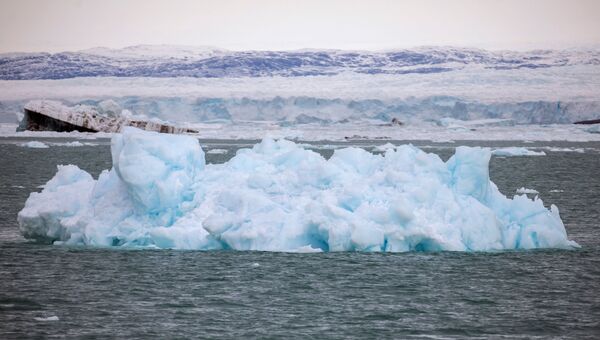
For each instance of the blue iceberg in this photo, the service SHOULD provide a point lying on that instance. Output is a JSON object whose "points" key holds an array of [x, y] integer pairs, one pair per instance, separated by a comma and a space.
{"points": [[278, 196]]}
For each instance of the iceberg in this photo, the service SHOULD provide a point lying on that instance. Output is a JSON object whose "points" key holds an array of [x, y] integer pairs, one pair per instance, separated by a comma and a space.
{"points": [[278, 196]]}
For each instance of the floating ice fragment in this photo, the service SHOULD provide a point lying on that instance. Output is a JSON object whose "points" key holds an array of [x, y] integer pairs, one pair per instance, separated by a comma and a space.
{"points": [[278, 196], [516, 151], [74, 144], [524, 190], [35, 145], [384, 147], [71, 144], [216, 151], [557, 149]]}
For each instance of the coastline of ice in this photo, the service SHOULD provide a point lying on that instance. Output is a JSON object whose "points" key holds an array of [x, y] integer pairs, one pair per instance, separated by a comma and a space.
{"points": [[278, 196]]}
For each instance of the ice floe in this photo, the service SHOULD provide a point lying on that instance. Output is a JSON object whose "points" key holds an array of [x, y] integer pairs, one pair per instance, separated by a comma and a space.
{"points": [[516, 152], [524, 190], [35, 145], [74, 144]]}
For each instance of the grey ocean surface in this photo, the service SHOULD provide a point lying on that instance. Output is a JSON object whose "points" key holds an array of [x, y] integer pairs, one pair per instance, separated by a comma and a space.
{"points": [[79, 292]]}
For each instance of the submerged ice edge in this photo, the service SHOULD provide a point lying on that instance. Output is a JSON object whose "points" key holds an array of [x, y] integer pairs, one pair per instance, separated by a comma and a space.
{"points": [[278, 196]]}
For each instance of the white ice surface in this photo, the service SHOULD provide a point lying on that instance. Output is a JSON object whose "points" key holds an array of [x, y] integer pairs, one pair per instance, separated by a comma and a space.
{"points": [[278, 196]]}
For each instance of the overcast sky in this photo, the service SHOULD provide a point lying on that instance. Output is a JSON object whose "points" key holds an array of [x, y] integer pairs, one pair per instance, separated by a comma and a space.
{"points": [[58, 25]]}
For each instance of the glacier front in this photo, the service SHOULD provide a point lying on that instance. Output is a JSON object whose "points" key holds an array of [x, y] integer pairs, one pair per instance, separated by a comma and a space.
{"points": [[278, 196]]}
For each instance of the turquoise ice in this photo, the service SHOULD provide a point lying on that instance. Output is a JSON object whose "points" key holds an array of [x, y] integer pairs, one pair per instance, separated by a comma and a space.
{"points": [[278, 196]]}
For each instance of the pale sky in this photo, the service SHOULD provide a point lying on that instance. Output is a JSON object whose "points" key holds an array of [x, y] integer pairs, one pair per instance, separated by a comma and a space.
{"points": [[59, 25]]}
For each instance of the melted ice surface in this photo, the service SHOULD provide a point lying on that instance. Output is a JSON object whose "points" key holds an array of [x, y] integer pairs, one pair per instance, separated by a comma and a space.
{"points": [[278, 196]]}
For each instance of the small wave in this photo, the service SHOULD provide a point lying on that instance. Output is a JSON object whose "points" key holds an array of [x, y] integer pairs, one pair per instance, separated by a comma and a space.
{"points": [[49, 318]]}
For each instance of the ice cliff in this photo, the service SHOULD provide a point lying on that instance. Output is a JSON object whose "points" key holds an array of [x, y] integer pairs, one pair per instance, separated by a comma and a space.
{"points": [[278, 196]]}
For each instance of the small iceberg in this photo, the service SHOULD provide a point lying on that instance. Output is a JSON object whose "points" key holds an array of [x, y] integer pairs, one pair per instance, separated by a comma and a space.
{"points": [[278, 196], [35, 145], [516, 152], [524, 190], [384, 147], [71, 144]]}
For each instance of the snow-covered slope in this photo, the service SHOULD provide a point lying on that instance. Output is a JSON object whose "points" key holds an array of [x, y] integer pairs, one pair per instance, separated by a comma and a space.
{"points": [[174, 61]]}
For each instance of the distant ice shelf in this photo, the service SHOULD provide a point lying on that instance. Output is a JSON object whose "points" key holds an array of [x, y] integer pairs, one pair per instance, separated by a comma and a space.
{"points": [[278, 196]]}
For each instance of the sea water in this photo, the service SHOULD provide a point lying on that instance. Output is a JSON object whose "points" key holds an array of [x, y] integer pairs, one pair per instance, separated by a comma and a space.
{"points": [[98, 292]]}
